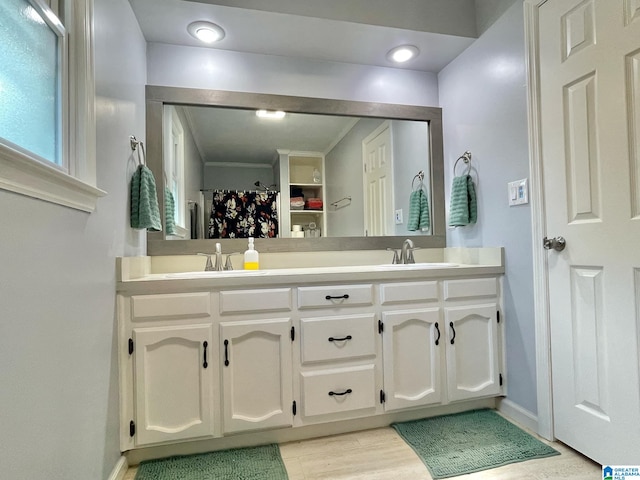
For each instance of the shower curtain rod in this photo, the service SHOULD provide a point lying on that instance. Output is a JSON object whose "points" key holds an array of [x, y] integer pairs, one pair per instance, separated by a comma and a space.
{"points": [[224, 190]]}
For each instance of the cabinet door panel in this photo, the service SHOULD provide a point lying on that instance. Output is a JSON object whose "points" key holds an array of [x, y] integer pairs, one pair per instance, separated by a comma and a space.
{"points": [[472, 358], [173, 389], [257, 381], [411, 358]]}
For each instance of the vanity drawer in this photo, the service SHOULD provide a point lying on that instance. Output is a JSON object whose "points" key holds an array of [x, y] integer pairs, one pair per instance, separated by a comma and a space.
{"points": [[172, 305], [338, 390], [338, 338], [408, 292], [259, 300], [471, 288], [335, 296]]}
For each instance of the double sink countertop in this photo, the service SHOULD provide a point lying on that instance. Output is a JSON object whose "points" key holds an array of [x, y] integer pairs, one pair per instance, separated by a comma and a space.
{"points": [[139, 275]]}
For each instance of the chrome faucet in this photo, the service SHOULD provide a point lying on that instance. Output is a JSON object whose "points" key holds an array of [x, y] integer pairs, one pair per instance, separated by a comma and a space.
{"points": [[406, 253], [210, 267], [218, 265]]}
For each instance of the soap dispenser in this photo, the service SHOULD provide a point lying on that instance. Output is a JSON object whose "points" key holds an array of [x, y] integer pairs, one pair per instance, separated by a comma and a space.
{"points": [[251, 257]]}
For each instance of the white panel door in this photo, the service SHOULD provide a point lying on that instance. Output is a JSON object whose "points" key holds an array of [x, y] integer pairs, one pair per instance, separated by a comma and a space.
{"points": [[412, 344], [472, 351], [590, 115], [378, 182], [174, 394], [257, 379]]}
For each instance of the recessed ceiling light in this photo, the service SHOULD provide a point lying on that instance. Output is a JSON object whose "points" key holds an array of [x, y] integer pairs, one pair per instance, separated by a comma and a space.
{"points": [[270, 114], [206, 32], [403, 53]]}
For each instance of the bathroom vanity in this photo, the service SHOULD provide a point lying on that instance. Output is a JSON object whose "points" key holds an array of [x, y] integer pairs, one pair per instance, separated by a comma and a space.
{"points": [[211, 355]]}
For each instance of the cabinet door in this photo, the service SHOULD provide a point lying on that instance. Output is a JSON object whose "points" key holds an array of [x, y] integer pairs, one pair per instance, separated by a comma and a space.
{"points": [[173, 383], [256, 374], [472, 351], [412, 348]]}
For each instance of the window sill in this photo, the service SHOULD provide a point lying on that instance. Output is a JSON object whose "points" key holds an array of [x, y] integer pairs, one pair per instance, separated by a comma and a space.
{"points": [[181, 234], [26, 176]]}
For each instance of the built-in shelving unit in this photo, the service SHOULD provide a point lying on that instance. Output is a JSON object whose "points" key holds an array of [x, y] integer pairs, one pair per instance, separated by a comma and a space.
{"points": [[297, 172]]}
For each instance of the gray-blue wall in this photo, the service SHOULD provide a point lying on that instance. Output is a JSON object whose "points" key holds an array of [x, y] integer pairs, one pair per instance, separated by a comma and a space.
{"points": [[483, 96], [59, 374]]}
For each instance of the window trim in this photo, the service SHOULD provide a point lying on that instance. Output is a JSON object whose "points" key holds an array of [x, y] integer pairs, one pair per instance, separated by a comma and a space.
{"points": [[174, 129], [24, 174]]}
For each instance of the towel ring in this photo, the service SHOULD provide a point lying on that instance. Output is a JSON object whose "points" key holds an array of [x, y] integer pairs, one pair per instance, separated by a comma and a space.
{"points": [[466, 158], [419, 176]]}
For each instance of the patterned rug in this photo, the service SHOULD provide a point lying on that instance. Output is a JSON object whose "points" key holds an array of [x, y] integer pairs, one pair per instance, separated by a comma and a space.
{"points": [[254, 463], [469, 442]]}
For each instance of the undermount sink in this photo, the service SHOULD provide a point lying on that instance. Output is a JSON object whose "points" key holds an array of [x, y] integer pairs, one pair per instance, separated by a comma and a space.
{"points": [[309, 270], [215, 274], [415, 266]]}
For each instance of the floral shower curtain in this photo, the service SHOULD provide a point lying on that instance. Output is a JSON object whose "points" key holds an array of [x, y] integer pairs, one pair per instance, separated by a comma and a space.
{"points": [[238, 214]]}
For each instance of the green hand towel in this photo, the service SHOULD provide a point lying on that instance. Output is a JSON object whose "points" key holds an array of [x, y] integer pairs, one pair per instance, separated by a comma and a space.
{"points": [[463, 208], [169, 212], [144, 201], [419, 218]]}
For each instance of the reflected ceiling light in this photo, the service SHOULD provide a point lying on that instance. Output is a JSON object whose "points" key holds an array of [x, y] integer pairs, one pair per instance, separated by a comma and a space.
{"points": [[403, 53], [206, 32], [270, 114]]}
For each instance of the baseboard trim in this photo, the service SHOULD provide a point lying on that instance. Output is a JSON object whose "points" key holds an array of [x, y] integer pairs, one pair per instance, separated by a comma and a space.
{"points": [[120, 470], [518, 414]]}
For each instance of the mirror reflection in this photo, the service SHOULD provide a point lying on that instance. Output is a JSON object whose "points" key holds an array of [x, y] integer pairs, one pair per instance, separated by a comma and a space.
{"points": [[235, 173]]}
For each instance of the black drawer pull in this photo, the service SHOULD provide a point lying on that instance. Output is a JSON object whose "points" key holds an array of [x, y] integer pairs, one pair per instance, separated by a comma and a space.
{"points": [[348, 390], [337, 297], [348, 337], [437, 330], [226, 353], [454, 332], [205, 345]]}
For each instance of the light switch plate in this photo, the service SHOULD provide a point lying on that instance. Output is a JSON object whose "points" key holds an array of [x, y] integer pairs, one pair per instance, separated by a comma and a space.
{"points": [[518, 192], [399, 217]]}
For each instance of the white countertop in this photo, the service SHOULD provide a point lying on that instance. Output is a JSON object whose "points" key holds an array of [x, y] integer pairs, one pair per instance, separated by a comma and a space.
{"points": [[137, 275]]}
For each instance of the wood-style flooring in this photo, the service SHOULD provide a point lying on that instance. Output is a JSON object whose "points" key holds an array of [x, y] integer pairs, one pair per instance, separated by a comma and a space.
{"points": [[380, 454]]}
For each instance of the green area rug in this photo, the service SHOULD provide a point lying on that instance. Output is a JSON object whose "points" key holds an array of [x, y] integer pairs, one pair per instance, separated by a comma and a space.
{"points": [[470, 442], [255, 463]]}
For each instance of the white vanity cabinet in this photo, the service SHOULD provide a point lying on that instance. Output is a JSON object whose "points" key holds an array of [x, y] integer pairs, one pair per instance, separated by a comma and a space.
{"points": [[337, 361], [412, 344], [255, 353], [472, 338], [169, 365], [231, 360]]}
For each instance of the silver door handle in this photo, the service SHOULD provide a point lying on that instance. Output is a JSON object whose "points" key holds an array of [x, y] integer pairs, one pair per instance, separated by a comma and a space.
{"points": [[557, 243]]}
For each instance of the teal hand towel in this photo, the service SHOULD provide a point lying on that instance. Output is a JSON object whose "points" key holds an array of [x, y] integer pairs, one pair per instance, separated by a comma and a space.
{"points": [[419, 218], [144, 201], [169, 212], [463, 208]]}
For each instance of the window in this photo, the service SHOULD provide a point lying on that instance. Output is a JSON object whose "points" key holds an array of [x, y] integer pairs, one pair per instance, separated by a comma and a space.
{"points": [[174, 177], [47, 125]]}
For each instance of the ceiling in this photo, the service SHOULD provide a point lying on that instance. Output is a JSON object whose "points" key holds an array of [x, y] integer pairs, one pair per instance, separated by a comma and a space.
{"points": [[349, 31], [221, 134]]}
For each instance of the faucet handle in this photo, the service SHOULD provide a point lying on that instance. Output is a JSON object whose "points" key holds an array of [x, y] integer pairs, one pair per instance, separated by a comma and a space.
{"points": [[227, 264], [209, 266], [396, 258]]}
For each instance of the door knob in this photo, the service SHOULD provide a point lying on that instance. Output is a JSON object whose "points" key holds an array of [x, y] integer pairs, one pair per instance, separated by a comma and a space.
{"points": [[556, 244]]}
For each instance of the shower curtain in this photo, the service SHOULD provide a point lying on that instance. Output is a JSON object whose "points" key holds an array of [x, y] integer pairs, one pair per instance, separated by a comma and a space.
{"points": [[243, 214]]}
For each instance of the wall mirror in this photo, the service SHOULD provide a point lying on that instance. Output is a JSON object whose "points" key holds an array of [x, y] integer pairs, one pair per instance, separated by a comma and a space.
{"points": [[339, 173]]}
